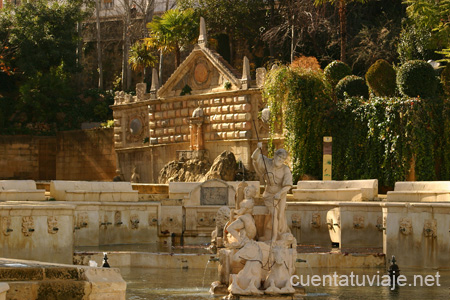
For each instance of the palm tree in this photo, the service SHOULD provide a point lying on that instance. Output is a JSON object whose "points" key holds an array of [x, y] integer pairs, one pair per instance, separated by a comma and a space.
{"points": [[141, 58], [342, 6], [172, 31]]}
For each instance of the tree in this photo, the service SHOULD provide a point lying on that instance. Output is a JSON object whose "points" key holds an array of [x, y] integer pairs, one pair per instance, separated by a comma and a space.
{"points": [[239, 20], [174, 30], [299, 27], [426, 30], [342, 7], [141, 58], [38, 43]]}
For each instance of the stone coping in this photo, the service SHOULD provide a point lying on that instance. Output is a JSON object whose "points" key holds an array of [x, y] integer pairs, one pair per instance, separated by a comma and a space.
{"points": [[22, 270], [36, 205], [416, 204]]}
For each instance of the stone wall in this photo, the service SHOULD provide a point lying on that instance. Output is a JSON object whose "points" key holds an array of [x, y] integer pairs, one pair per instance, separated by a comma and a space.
{"points": [[74, 155], [27, 157], [86, 155]]}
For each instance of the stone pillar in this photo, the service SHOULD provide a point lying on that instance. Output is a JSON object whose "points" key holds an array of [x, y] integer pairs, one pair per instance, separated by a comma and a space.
{"points": [[200, 144], [193, 136]]}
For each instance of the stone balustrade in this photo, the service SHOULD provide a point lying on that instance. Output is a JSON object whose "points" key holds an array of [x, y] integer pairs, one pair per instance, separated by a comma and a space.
{"points": [[420, 191], [333, 190], [34, 280], [62, 190], [20, 190]]}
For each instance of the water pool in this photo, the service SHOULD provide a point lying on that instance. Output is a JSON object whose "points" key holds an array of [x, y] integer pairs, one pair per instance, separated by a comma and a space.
{"points": [[193, 284]]}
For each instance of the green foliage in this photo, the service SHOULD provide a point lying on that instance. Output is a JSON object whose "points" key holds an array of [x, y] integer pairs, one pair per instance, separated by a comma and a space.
{"points": [[186, 90], [48, 98], [414, 43], [43, 35], [381, 78], [335, 71], [140, 56], [426, 30], [353, 86], [297, 99], [417, 78], [377, 138], [380, 138], [173, 31], [445, 79], [237, 18]]}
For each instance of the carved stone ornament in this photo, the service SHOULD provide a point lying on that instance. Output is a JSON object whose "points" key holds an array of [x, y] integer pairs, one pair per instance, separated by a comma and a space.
{"points": [[118, 218], [137, 127], [152, 220], [380, 222], [27, 226], [134, 221], [358, 222], [315, 220], [52, 224], [405, 226], [206, 219], [169, 222], [430, 228], [6, 225], [82, 220], [296, 220]]}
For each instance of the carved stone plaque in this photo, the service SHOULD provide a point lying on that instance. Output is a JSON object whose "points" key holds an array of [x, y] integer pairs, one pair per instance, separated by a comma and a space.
{"points": [[214, 196]]}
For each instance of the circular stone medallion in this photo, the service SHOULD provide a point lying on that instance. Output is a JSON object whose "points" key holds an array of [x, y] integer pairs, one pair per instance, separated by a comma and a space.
{"points": [[135, 126], [201, 73]]}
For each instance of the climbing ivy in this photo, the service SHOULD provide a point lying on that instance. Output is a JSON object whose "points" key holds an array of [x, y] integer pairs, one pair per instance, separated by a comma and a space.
{"points": [[377, 138], [300, 105]]}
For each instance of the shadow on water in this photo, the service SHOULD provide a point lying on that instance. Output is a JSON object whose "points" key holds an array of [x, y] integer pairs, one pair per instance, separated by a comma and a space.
{"points": [[172, 284]]}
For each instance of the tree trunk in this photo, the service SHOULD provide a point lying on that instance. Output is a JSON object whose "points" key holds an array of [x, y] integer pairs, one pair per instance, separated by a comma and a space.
{"points": [[126, 71], [177, 56], [271, 22], [343, 29], [230, 41], [99, 45], [148, 15], [161, 60]]}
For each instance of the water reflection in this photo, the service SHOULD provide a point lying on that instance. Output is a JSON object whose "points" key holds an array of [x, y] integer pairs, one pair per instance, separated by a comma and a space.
{"points": [[171, 284]]}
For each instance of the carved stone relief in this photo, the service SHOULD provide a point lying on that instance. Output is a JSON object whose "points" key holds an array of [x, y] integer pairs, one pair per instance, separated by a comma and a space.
{"points": [[27, 226], [380, 222], [430, 228], [358, 222], [152, 220], [296, 220], [169, 222], [82, 220], [52, 224], [136, 127], [206, 219], [405, 226], [6, 225], [134, 221], [315, 220], [118, 218]]}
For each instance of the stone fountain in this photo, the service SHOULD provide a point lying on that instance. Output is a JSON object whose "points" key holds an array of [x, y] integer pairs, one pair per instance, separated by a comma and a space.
{"points": [[258, 258]]}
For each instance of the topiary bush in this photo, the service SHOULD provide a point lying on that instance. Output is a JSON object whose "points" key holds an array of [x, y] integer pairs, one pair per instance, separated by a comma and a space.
{"points": [[445, 79], [354, 86], [417, 78], [381, 78], [335, 71]]}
